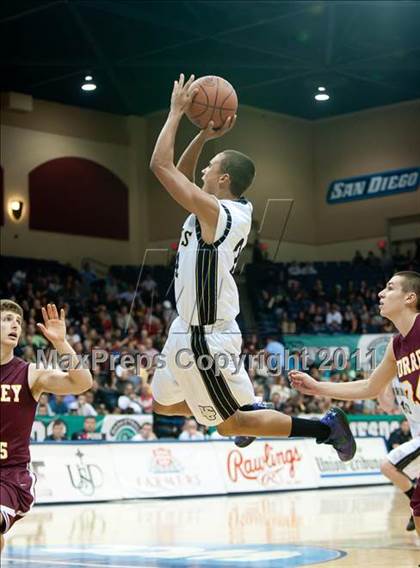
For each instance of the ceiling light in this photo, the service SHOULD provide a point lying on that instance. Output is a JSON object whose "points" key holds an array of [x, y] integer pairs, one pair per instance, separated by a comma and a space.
{"points": [[322, 97], [319, 88], [88, 85]]}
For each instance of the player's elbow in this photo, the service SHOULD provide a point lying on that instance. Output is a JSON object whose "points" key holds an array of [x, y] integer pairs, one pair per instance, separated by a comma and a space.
{"points": [[83, 384], [158, 164]]}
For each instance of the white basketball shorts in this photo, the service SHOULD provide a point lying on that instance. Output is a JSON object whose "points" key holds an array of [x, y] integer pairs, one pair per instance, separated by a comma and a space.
{"points": [[406, 458], [201, 366]]}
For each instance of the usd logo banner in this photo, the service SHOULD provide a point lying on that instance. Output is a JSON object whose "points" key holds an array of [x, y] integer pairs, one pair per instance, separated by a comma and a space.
{"points": [[373, 185]]}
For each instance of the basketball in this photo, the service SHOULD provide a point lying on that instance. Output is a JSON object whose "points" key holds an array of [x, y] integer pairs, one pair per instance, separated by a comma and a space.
{"points": [[215, 100]]}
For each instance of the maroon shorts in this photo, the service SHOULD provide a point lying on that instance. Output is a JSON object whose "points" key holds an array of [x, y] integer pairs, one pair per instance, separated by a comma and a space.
{"points": [[415, 500], [17, 494]]}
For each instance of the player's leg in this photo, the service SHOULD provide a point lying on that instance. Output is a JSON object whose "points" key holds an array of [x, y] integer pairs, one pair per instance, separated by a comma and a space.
{"points": [[401, 465], [332, 429], [178, 409], [168, 398], [2, 530], [399, 479], [415, 506]]}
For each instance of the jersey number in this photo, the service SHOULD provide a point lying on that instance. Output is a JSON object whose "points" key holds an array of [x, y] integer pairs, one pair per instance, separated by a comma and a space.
{"points": [[4, 454], [237, 250]]}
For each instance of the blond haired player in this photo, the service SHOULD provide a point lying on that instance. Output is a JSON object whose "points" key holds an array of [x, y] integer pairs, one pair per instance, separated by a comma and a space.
{"points": [[21, 386], [399, 302]]}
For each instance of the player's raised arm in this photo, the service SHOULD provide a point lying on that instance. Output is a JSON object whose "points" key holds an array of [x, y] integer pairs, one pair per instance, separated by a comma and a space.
{"points": [[369, 388], [187, 163], [162, 164], [76, 380]]}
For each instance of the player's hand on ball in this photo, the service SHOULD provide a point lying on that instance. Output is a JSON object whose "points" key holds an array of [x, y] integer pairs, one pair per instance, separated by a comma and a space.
{"points": [[303, 383], [182, 95], [54, 327], [210, 132]]}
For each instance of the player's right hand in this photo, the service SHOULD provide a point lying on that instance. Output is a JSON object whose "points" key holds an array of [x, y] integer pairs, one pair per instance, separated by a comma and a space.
{"points": [[304, 383], [210, 132]]}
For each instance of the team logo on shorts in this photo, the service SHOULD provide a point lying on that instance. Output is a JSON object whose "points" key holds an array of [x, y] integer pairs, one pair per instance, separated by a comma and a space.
{"points": [[208, 412]]}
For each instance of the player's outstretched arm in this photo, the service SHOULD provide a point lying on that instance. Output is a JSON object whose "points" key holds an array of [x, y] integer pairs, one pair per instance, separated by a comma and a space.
{"points": [[75, 380], [162, 164], [188, 161], [356, 390]]}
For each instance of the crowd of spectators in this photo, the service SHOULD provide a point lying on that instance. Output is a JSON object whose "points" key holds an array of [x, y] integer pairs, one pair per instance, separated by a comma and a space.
{"points": [[298, 298], [112, 315]]}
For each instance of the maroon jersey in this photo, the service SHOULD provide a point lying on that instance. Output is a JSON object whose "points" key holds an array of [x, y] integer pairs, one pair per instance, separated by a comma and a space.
{"points": [[17, 413], [407, 355]]}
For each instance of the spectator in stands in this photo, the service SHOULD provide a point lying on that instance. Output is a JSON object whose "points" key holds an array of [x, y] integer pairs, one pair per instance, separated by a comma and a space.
{"points": [[83, 407], [89, 431], [334, 319], [58, 432], [58, 405], [44, 401], [146, 398], [191, 431], [88, 275], [399, 436], [146, 433], [129, 402], [358, 258], [42, 410]]}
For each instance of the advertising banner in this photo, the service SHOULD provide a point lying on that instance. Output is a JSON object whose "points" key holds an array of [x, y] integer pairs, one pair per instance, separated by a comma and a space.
{"points": [[267, 465], [167, 469], [373, 185], [74, 472], [90, 471], [336, 351], [115, 426], [363, 469]]}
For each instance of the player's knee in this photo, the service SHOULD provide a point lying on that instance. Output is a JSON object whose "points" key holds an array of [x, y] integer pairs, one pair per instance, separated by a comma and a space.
{"points": [[160, 408], [228, 427], [387, 468]]}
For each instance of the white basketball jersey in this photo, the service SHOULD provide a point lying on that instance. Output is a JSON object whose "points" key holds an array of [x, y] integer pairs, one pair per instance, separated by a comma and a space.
{"points": [[205, 290], [410, 408]]}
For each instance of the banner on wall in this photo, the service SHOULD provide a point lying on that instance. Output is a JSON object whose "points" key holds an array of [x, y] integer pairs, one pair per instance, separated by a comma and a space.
{"points": [[267, 465], [167, 470], [94, 471], [336, 351], [119, 427], [363, 469], [373, 185]]}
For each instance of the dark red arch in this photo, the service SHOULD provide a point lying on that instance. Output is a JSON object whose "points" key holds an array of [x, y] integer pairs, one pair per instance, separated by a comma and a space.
{"points": [[79, 197], [1, 197]]}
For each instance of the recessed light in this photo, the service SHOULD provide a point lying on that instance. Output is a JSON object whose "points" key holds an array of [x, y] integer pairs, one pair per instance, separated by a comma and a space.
{"points": [[88, 87], [322, 97]]}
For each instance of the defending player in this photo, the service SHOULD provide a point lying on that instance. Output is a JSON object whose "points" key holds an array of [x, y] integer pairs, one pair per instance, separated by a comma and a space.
{"points": [[399, 302], [402, 464], [207, 297], [21, 386]]}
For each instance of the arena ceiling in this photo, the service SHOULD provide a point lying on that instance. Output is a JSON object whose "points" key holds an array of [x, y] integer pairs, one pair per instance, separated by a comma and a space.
{"points": [[275, 53]]}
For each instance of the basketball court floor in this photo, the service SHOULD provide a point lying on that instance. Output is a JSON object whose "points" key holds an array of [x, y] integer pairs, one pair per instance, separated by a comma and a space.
{"points": [[362, 527]]}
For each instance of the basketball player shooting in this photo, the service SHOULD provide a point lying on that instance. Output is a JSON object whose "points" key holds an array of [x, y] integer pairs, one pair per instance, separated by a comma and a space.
{"points": [[21, 386], [399, 302], [212, 238]]}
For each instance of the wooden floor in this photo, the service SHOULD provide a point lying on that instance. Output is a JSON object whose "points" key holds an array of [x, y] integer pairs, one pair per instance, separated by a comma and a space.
{"points": [[348, 527]]}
